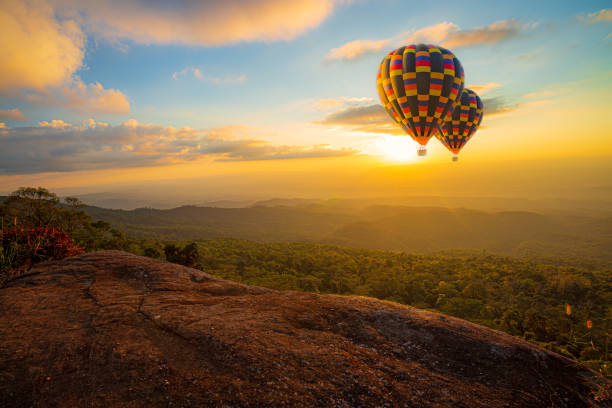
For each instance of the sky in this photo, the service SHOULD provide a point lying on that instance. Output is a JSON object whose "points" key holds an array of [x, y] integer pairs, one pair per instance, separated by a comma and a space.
{"points": [[229, 98]]}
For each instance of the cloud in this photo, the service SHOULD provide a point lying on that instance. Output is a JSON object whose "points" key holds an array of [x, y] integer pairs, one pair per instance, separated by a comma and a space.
{"points": [[38, 51], [94, 98], [357, 116], [192, 22], [491, 34], [603, 15], [80, 97], [328, 104], [91, 123], [484, 88], [256, 151], [54, 124], [437, 33], [498, 106], [335, 103], [41, 55], [529, 56], [355, 49], [369, 119], [545, 93], [197, 74], [12, 114], [447, 34], [58, 146], [374, 119]]}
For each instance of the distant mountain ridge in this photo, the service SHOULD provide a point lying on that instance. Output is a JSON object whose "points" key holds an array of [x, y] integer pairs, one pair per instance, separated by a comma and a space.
{"points": [[412, 229], [148, 199]]}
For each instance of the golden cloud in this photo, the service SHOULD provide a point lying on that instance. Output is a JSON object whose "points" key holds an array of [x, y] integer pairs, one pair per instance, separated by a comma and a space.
{"points": [[212, 22], [368, 119], [94, 98], [529, 56], [54, 124], [343, 101], [433, 34], [603, 15], [355, 49], [41, 55], [491, 34], [361, 115], [446, 33], [12, 114], [484, 88], [57, 145], [497, 106], [38, 51], [80, 97]]}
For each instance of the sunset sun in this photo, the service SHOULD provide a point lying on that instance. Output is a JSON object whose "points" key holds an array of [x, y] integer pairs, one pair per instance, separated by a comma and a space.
{"points": [[397, 149]]}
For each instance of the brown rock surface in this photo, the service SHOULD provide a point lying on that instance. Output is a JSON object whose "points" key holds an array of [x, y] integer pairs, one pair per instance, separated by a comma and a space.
{"points": [[110, 329]]}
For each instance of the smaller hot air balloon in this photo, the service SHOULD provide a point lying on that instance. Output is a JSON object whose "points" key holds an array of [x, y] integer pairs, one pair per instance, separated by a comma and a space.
{"points": [[568, 309], [589, 324], [461, 122]]}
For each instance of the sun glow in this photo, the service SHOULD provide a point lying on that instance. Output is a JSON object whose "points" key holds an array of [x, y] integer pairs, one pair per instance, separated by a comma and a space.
{"points": [[397, 148]]}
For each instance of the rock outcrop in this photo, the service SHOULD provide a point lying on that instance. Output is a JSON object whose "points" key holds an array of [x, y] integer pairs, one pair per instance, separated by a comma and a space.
{"points": [[111, 329]]}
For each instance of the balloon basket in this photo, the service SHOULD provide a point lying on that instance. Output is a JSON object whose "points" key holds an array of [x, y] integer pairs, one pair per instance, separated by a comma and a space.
{"points": [[422, 151], [455, 158]]}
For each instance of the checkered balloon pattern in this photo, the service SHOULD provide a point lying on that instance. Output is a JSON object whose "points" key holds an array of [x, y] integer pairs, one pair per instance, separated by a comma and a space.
{"points": [[418, 86], [461, 122]]}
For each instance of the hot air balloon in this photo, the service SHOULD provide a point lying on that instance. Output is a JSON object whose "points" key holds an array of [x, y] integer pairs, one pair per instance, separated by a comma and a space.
{"points": [[418, 85], [461, 123]]}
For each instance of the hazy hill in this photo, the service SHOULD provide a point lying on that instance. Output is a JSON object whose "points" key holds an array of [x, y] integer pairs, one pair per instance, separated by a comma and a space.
{"points": [[257, 223], [413, 229], [110, 329], [140, 198], [508, 232]]}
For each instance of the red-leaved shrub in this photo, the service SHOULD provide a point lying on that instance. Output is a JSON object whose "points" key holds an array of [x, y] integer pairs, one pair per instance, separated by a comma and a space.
{"points": [[22, 248]]}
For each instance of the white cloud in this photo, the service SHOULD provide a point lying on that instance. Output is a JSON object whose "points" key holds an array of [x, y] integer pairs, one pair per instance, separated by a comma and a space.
{"points": [[343, 101], [199, 75]]}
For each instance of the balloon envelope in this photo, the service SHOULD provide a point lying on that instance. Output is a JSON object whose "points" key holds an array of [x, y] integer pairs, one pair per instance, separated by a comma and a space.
{"points": [[417, 86], [462, 122]]}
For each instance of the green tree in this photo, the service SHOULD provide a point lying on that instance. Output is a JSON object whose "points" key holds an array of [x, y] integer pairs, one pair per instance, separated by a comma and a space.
{"points": [[31, 207]]}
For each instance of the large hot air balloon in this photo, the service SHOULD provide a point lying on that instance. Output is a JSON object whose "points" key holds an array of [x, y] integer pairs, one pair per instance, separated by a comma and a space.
{"points": [[461, 123], [418, 85]]}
